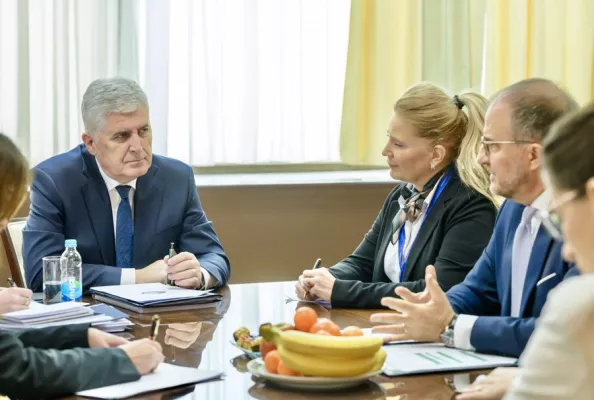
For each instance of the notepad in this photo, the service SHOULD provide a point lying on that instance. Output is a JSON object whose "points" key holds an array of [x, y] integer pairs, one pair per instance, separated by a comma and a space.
{"points": [[165, 376], [411, 359]]}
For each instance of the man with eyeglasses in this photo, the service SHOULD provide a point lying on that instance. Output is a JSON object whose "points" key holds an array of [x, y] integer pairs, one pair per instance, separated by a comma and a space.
{"points": [[494, 309]]}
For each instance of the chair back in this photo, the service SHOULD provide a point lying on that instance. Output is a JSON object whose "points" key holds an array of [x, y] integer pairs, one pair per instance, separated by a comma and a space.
{"points": [[12, 239]]}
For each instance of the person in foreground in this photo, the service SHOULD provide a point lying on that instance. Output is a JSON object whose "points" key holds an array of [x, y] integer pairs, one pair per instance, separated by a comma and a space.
{"points": [[442, 213], [494, 310], [559, 360], [58, 361], [124, 205]]}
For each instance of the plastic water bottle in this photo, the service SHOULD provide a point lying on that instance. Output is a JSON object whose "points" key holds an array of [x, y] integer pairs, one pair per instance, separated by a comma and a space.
{"points": [[71, 268]]}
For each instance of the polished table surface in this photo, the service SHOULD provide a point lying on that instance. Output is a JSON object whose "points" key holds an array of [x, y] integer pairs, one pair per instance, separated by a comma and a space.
{"points": [[202, 338]]}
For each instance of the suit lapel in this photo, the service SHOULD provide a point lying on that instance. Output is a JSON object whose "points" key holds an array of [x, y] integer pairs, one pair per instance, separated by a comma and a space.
{"points": [[148, 198], [99, 208], [378, 268], [540, 250], [429, 225]]}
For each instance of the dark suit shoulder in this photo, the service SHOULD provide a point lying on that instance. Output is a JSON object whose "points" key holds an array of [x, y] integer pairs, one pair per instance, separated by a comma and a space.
{"points": [[172, 166]]}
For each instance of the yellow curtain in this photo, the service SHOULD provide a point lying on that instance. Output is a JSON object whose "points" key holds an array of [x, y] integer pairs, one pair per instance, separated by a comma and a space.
{"points": [[551, 39], [483, 45], [384, 58]]}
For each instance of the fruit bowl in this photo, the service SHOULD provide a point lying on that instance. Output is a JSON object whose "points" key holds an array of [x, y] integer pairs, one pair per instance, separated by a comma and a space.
{"points": [[250, 354], [257, 368]]}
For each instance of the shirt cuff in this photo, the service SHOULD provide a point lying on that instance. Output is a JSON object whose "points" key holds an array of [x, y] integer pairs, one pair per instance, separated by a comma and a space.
{"points": [[209, 281], [128, 276], [462, 331]]}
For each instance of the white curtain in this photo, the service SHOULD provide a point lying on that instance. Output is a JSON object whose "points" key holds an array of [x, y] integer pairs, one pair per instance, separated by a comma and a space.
{"points": [[244, 81], [50, 50]]}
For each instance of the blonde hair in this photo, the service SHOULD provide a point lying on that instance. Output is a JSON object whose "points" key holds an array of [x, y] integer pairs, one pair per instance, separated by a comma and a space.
{"points": [[13, 179], [454, 122]]}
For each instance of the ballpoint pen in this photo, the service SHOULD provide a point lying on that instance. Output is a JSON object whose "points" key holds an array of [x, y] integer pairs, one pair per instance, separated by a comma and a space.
{"points": [[316, 266], [155, 327], [172, 254]]}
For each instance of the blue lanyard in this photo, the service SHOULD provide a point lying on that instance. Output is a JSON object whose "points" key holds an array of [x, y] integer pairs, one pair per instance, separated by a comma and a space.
{"points": [[402, 233]]}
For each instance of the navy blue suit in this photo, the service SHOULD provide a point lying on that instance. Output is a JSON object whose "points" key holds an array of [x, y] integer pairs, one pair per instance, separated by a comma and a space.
{"points": [[69, 200], [486, 291]]}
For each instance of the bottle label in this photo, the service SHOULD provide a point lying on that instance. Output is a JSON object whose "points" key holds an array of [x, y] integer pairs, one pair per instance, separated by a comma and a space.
{"points": [[71, 290]]}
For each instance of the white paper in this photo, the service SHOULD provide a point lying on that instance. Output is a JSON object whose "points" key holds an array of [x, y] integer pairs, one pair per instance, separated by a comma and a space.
{"points": [[408, 359], [90, 319], [147, 292], [42, 312], [165, 376]]}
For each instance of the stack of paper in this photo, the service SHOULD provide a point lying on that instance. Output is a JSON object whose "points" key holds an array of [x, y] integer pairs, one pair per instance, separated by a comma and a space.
{"points": [[154, 297], [409, 359], [44, 316]]}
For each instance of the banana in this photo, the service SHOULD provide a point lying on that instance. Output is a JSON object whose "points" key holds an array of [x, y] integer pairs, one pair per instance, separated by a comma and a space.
{"points": [[380, 359], [311, 365], [334, 346]]}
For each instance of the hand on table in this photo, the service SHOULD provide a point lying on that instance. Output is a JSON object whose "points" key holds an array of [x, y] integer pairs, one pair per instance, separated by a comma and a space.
{"points": [[98, 338], [318, 283], [490, 387], [14, 299], [185, 270], [145, 354], [420, 317], [156, 272]]}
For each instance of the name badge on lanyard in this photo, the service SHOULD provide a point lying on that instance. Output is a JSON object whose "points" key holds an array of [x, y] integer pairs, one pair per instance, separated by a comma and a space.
{"points": [[402, 233]]}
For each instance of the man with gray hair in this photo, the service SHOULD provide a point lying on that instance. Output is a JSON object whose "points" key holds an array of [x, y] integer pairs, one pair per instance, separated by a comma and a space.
{"points": [[123, 205]]}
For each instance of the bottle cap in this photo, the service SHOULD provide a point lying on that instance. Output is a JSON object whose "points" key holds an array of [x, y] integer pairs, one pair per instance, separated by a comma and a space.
{"points": [[70, 243]]}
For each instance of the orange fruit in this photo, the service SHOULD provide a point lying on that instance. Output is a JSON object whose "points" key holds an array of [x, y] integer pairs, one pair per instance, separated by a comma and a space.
{"points": [[272, 361], [322, 332], [305, 318], [284, 370], [325, 325], [352, 331]]}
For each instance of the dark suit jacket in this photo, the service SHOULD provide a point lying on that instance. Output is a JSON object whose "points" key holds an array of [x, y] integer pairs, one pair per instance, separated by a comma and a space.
{"points": [[37, 364], [69, 200], [452, 238], [486, 291]]}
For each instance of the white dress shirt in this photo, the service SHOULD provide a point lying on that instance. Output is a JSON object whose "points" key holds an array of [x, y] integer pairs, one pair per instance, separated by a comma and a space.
{"points": [[391, 260], [464, 323], [129, 274]]}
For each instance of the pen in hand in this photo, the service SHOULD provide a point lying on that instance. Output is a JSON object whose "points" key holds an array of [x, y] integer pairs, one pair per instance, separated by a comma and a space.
{"points": [[172, 254], [316, 266], [11, 283], [155, 327]]}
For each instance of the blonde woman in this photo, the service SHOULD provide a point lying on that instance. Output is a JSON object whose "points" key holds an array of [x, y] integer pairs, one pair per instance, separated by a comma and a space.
{"points": [[58, 361], [441, 212]]}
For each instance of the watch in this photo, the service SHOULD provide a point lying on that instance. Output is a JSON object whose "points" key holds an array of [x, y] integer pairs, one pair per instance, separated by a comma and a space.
{"points": [[447, 337]]}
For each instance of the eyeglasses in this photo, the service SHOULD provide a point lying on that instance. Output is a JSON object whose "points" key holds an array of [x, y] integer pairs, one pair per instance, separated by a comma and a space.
{"points": [[551, 220], [487, 143]]}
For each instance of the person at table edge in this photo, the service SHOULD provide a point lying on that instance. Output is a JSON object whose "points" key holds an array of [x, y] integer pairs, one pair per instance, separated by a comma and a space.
{"points": [[441, 213], [123, 204]]}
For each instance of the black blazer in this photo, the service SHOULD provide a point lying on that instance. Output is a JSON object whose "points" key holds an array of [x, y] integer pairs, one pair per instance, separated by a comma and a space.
{"points": [[451, 238], [31, 366]]}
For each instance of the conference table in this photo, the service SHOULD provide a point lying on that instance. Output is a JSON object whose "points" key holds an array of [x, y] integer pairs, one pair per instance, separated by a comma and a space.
{"points": [[203, 338]]}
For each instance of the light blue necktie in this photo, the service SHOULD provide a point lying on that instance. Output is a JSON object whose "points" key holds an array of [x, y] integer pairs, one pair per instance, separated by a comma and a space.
{"points": [[124, 229], [521, 251]]}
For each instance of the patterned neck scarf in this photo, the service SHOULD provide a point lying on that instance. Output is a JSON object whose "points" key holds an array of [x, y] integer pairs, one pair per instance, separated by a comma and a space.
{"points": [[412, 203]]}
